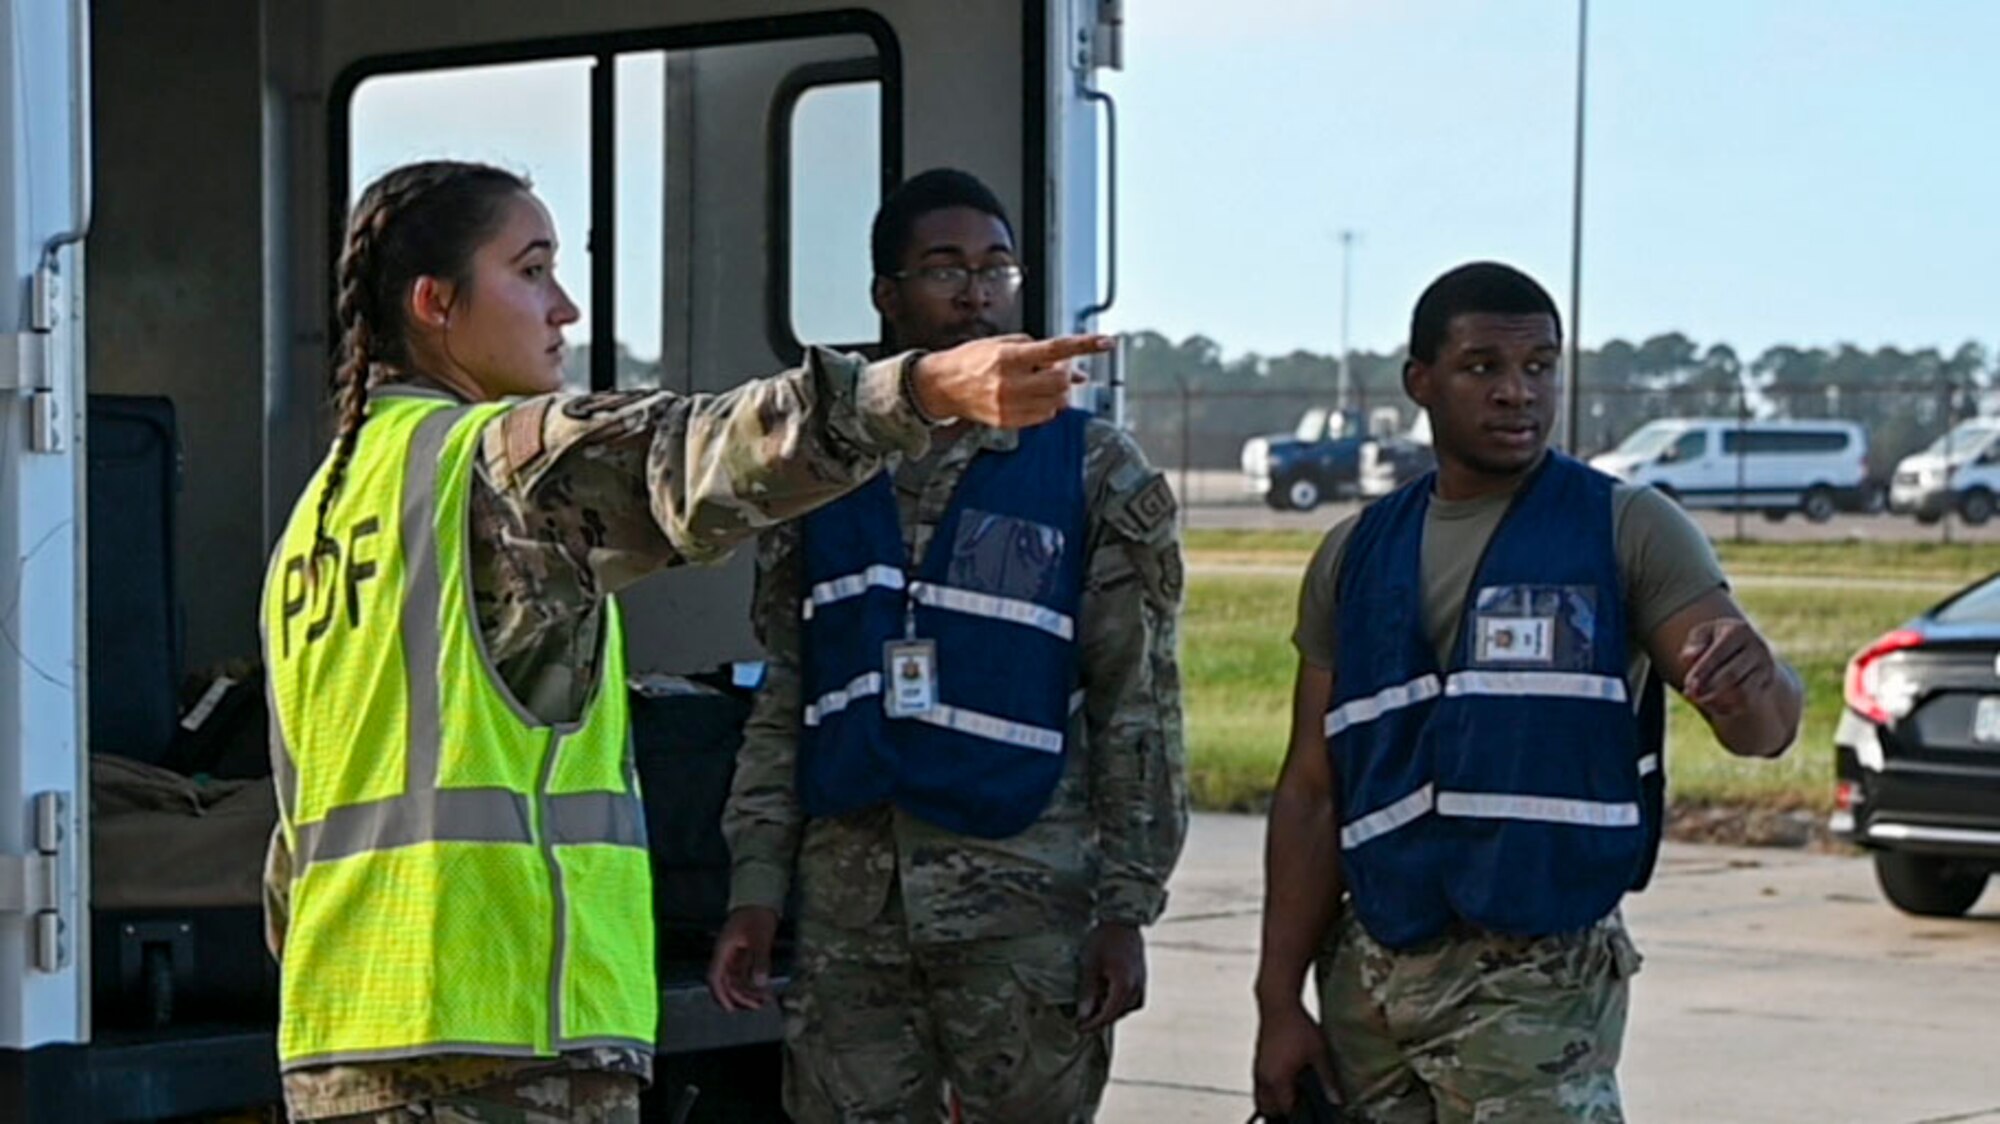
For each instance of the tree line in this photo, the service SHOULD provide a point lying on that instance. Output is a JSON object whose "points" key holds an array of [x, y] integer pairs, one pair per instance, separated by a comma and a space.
{"points": [[1190, 394]]}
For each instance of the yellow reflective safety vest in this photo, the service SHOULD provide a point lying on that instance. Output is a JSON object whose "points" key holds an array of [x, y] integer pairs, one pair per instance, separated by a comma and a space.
{"points": [[466, 878]]}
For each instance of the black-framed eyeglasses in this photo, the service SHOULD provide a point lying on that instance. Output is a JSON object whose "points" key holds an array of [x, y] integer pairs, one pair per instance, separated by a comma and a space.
{"points": [[1004, 278]]}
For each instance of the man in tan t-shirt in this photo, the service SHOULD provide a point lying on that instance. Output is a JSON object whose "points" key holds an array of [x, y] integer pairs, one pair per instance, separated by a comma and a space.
{"points": [[1665, 559], [1473, 1024]]}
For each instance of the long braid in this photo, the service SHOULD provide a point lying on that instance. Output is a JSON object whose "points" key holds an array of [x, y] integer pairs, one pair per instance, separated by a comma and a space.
{"points": [[448, 207]]}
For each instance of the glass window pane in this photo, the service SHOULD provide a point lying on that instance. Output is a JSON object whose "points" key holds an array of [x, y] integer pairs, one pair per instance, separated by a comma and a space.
{"points": [[398, 118], [641, 161], [836, 184]]}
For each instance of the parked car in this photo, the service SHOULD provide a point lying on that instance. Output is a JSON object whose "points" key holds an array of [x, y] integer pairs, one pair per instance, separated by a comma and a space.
{"points": [[1818, 467], [1387, 463], [1960, 471], [1917, 754], [1318, 461]]}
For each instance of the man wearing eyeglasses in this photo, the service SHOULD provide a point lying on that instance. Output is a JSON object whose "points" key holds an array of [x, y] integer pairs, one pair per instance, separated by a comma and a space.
{"points": [[967, 754]]}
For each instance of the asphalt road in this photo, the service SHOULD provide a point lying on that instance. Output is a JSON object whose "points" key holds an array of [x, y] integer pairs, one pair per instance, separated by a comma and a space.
{"points": [[1778, 986]]}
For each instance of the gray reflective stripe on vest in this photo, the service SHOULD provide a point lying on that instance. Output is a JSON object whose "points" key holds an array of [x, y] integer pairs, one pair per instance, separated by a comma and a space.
{"points": [[594, 817], [1012, 610], [1537, 809], [950, 717], [433, 815], [422, 597], [850, 585], [1382, 821], [1649, 764], [284, 771], [1537, 684], [426, 813], [834, 701], [1488, 806], [995, 729], [1355, 712]]}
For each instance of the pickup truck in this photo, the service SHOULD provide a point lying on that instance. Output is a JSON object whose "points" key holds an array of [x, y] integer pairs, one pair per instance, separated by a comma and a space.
{"points": [[1320, 460]]}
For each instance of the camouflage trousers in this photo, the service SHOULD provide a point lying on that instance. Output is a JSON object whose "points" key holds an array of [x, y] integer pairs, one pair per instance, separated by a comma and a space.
{"points": [[579, 1097], [1474, 1027], [875, 1029]]}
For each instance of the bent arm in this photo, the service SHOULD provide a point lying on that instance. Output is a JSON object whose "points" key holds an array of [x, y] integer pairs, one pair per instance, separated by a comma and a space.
{"points": [[1712, 654]]}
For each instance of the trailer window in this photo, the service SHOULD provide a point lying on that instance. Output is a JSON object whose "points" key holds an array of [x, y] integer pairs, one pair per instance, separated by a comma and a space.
{"points": [[434, 114], [713, 198], [834, 187], [641, 141]]}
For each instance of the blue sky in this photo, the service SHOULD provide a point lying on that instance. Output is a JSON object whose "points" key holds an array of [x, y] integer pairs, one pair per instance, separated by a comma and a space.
{"points": [[1758, 171]]}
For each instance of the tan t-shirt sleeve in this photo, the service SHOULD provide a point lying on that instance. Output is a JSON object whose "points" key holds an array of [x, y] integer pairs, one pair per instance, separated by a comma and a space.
{"points": [[1314, 634], [1666, 560]]}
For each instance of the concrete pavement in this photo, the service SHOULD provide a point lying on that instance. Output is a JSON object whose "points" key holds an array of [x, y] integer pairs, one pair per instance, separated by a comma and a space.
{"points": [[1778, 986]]}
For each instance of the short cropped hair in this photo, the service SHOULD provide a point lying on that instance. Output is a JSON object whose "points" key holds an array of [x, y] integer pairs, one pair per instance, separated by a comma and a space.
{"points": [[1481, 286], [936, 190]]}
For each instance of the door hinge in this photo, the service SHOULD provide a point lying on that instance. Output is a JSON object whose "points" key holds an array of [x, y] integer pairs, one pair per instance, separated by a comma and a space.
{"points": [[1102, 46], [35, 884]]}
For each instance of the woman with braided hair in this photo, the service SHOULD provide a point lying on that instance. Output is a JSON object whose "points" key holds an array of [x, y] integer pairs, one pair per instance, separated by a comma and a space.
{"points": [[458, 888]]}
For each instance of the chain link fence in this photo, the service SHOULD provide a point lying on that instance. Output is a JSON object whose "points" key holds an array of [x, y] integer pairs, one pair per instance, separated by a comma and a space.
{"points": [[1256, 457]]}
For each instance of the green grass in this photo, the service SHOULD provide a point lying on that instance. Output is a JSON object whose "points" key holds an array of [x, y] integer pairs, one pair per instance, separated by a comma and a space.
{"points": [[1239, 663], [1915, 561], [1945, 562], [1237, 667]]}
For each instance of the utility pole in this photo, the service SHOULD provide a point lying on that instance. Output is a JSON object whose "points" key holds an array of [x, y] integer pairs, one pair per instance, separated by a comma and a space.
{"points": [[1573, 411], [1344, 393]]}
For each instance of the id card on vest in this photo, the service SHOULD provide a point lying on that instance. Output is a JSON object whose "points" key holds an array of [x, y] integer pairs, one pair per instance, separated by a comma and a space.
{"points": [[911, 668], [1534, 626]]}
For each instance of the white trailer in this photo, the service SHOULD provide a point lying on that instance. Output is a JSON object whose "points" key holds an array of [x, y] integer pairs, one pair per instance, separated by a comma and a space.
{"points": [[172, 182]]}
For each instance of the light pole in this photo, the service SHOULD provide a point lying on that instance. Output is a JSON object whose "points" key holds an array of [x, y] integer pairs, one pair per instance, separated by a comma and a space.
{"points": [[1573, 410], [1343, 394]]}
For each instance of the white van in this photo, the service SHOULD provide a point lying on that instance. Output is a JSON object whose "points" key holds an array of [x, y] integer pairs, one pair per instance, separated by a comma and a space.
{"points": [[1817, 467], [1960, 471]]}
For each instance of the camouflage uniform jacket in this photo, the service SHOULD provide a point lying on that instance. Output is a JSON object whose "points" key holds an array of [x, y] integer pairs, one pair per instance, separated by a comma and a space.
{"points": [[1102, 850], [578, 495]]}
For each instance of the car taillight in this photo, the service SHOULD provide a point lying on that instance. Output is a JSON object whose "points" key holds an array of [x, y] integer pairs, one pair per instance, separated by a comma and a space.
{"points": [[1844, 796], [1866, 692]]}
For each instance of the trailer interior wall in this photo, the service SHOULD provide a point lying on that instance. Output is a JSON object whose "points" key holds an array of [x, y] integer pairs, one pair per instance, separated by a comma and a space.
{"points": [[176, 279], [213, 125]]}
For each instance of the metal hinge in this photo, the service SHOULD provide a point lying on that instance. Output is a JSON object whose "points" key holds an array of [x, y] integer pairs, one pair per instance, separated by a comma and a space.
{"points": [[34, 884], [1102, 47], [26, 360]]}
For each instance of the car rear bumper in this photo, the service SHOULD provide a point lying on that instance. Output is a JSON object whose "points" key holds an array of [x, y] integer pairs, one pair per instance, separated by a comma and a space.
{"points": [[1883, 831], [1924, 806]]}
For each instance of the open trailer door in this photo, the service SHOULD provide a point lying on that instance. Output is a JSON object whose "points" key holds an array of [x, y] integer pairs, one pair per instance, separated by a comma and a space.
{"points": [[44, 206]]}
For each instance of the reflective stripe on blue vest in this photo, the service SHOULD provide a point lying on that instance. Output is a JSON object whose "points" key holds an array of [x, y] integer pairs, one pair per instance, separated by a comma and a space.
{"points": [[1512, 790], [998, 591]]}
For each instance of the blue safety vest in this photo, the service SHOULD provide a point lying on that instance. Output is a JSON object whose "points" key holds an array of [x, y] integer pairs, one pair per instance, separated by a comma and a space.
{"points": [[997, 591], [1515, 790]]}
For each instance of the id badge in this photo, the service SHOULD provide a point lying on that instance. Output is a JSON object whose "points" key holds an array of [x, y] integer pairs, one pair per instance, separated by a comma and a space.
{"points": [[1522, 640], [911, 669], [1542, 627]]}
